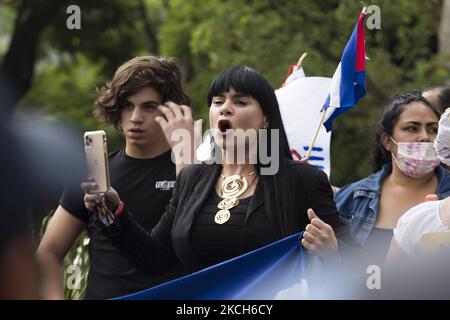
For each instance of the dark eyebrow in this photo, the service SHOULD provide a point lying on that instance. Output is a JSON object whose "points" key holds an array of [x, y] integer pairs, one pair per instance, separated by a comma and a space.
{"points": [[242, 95], [144, 103], [413, 122], [419, 123], [236, 95], [151, 102]]}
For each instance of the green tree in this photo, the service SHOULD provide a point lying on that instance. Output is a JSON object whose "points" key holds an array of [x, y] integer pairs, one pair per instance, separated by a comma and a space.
{"points": [[268, 35]]}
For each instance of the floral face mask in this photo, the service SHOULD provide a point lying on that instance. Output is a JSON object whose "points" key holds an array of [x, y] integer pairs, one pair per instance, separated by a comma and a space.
{"points": [[416, 159]]}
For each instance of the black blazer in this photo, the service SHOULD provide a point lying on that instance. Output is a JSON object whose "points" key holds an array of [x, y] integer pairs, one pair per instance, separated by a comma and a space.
{"points": [[169, 241]]}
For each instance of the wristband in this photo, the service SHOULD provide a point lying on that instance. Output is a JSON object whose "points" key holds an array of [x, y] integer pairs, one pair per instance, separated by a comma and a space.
{"points": [[119, 209]]}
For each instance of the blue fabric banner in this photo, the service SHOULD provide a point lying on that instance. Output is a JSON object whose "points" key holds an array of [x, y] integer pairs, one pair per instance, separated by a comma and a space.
{"points": [[260, 275]]}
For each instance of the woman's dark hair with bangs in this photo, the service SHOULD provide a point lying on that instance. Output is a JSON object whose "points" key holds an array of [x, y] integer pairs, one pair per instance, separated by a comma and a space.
{"points": [[247, 80], [389, 119]]}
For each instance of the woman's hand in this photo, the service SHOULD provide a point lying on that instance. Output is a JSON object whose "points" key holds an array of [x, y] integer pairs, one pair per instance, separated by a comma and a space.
{"points": [[431, 197], [92, 199], [177, 124], [319, 236], [175, 117]]}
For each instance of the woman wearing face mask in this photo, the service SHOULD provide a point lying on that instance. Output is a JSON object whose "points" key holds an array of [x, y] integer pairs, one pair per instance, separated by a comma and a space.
{"points": [[406, 171], [427, 217], [220, 211]]}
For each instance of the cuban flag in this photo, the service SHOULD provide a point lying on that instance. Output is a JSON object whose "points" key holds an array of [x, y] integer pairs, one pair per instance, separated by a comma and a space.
{"points": [[348, 85]]}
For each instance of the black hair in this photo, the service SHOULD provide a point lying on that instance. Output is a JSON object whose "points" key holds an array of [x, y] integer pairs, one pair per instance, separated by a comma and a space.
{"points": [[389, 119], [247, 80], [443, 96], [161, 73]]}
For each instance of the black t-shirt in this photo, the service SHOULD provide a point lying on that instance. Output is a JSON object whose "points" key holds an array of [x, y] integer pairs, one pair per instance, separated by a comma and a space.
{"points": [[145, 186], [377, 245]]}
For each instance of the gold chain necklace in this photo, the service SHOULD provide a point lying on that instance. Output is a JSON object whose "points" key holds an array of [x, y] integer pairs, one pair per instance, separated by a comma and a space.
{"points": [[232, 188]]}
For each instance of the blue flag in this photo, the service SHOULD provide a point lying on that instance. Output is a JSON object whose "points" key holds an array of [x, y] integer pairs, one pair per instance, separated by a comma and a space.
{"points": [[259, 274]]}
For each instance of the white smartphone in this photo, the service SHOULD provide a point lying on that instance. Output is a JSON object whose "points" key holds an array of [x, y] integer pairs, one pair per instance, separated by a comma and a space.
{"points": [[96, 152]]}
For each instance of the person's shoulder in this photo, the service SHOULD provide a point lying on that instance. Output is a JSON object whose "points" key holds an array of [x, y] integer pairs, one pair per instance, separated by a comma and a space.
{"points": [[444, 182], [193, 170], [369, 183], [444, 173], [418, 220], [417, 215], [348, 188], [114, 154], [300, 168]]}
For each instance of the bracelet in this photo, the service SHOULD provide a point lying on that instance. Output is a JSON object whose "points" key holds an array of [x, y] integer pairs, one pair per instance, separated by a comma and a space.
{"points": [[119, 209]]}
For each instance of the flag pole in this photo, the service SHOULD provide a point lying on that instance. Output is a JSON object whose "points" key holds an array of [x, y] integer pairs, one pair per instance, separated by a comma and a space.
{"points": [[300, 61], [308, 154], [322, 118]]}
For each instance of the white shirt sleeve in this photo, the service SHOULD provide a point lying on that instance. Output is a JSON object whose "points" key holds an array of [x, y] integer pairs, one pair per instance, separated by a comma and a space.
{"points": [[421, 219]]}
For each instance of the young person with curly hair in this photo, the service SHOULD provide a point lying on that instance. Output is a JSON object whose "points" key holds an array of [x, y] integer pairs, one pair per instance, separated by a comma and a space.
{"points": [[145, 100]]}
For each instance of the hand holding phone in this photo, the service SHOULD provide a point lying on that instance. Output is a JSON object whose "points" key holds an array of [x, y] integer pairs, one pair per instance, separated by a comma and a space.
{"points": [[95, 148]]}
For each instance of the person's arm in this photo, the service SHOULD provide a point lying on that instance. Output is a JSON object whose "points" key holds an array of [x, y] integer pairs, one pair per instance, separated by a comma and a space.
{"points": [[59, 237], [18, 276], [326, 232]]}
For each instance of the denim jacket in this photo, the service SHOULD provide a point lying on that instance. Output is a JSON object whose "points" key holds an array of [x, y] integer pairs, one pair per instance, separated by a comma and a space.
{"points": [[359, 201]]}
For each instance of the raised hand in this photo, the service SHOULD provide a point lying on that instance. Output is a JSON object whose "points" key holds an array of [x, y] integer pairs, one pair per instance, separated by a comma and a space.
{"points": [[319, 236]]}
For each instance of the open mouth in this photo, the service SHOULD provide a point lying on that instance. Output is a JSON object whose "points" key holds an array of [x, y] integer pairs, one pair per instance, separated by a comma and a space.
{"points": [[136, 130], [224, 125]]}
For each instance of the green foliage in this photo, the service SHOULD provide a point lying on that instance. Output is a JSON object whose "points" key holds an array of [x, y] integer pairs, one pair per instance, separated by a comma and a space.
{"points": [[78, 256], [111, 33], [7, 14], [64, 89], [65, 86], [208, 36]]}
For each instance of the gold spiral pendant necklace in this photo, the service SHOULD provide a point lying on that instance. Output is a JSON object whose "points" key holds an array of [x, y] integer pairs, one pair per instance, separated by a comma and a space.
{"points": [[232, 188]]}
